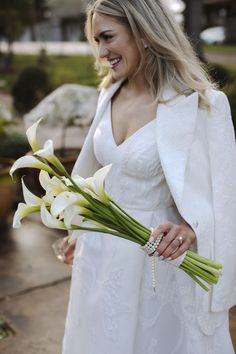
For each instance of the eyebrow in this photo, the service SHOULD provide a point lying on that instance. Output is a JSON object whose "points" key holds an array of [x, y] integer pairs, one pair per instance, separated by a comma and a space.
{"points": [[102, 34]]}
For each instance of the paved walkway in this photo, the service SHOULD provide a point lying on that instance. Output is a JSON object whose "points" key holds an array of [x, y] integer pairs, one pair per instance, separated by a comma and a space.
{"points": [[34, 290]]}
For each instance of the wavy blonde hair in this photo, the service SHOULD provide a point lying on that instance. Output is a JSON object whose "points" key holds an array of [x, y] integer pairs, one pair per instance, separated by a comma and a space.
{"points": [[169, 57]]}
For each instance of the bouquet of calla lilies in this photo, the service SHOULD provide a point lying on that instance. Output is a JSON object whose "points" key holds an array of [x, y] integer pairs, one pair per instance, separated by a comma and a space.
{"points": [[77, 205]]}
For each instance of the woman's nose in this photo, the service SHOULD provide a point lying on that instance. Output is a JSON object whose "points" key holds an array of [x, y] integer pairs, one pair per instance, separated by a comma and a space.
{"points": [[103, 51]]}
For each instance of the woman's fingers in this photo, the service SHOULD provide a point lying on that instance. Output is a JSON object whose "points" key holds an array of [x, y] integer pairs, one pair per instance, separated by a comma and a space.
{"points": [[177, 239], [169, 243], [68, 252]]}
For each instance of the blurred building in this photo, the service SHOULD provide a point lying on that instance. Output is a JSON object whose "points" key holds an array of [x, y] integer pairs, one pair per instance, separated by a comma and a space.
{"points": [[221, 13], [64, 20]]}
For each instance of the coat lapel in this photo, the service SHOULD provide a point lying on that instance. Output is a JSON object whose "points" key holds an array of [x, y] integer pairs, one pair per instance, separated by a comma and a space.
{"points": [[176, 122], [86, 164]]}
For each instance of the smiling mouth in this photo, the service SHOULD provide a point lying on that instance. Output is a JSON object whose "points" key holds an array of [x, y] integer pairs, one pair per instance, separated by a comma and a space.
{"points": [[114, 62]]}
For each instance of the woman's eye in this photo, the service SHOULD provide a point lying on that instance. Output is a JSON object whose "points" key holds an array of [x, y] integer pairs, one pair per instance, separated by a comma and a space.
{"points": [[107, 37]]}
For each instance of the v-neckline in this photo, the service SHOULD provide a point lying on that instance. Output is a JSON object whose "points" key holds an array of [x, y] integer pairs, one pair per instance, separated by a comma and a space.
{"points": [[129, 137]]}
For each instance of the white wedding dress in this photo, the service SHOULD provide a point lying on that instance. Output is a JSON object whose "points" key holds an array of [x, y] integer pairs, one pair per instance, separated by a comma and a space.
{"points": [[113, 308]]}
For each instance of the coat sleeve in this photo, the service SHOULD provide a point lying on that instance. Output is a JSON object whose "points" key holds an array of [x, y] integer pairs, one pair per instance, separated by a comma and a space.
{"points": [[86, 163], [222, 152]]}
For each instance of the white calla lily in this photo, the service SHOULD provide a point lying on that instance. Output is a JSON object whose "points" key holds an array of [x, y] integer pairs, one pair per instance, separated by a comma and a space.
{"points": [[48, 154], [80, 181], [67, 181], [44, 179], [47, 151], [72, 216], [31, 134], [29, 161], [99, 179], [29, 197], [22, 211], [94, 186], [57, 186], [64, 200], [49, 220], [53, 188]]}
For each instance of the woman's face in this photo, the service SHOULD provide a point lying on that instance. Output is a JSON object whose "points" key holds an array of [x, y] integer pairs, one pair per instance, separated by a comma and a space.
{"points": [[116, 46]]}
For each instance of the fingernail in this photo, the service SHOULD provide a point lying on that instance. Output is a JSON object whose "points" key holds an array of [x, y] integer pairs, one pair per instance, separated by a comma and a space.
{"points": [[169, 259], [161, 258], [156, 254], [151, 239]]}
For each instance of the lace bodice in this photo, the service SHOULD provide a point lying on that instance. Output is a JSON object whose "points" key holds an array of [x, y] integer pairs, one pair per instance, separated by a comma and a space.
{"points": [[136, 171]]}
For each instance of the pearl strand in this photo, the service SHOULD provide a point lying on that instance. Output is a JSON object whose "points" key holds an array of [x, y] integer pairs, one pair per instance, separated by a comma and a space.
{"points": [[154, 273]]}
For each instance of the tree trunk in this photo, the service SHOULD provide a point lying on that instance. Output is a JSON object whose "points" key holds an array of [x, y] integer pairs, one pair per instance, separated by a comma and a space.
{"points": [[193, 21]]}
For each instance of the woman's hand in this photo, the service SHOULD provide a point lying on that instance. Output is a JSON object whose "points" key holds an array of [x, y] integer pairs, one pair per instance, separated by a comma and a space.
{"points": [[68, 250], [176, 239]]}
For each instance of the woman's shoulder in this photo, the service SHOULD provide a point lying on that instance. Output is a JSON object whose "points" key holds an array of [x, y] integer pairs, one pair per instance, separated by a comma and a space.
{"points": [[218, 101]]}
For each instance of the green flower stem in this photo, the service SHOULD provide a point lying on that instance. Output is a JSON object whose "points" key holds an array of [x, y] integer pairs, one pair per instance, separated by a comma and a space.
{"points": [[104, 231], [135, 223], [204, 260], [124, 222], [130, 225], [197, 280], [104, 209], [198, 271], [204, 266], [130, 217], [102, 221], [196, 275]]}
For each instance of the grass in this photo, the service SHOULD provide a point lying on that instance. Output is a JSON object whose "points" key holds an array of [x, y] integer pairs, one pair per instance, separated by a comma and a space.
{"points": [[220, 48], [61, 70], [79, 69]]}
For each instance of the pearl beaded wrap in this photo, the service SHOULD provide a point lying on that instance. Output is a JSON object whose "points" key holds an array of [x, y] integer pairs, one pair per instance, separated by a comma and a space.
{"points": [[150, 247]]}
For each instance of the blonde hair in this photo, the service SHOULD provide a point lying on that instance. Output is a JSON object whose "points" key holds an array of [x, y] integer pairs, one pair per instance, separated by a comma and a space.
{"points": [[169, 57]]}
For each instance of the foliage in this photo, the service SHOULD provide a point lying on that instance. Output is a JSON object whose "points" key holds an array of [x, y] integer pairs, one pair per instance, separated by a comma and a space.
{"points": [[76, 69], [15, 15], [220, 48], [4, 123], [29, 89], [220, 74], [13, 145]]}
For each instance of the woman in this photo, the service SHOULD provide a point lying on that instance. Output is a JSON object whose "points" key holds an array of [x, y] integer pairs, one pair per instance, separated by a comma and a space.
{"points": [[170, 139]]}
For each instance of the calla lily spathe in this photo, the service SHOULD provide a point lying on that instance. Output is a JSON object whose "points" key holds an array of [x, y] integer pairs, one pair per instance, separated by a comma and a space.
{"points": [[53, 187], [47, 153], [44, 179], [22, 211], [64, 200], [72, 216], [49, 220], [31, 162], [94, 186], [31, 133], [29, 197]]}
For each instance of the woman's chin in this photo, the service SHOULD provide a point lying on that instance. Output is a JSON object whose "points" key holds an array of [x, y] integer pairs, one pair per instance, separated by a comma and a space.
{"points": [[118, 76]]}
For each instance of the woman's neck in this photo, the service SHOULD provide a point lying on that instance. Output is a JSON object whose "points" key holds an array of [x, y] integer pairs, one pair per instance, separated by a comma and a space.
{"points": [[136, 86]]}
